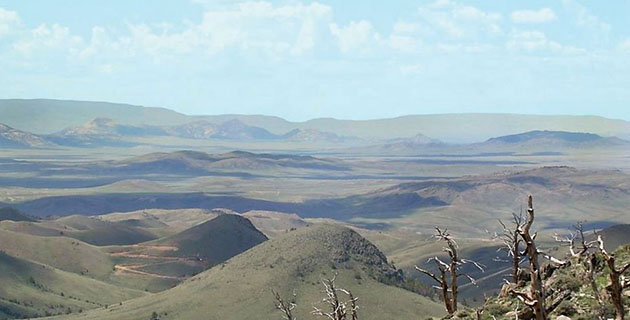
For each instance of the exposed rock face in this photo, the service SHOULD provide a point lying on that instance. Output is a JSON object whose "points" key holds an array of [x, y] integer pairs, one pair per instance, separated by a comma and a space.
{"points": [[10, 137]]}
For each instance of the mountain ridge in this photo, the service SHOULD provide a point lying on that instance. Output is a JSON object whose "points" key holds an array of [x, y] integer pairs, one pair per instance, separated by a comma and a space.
{"points": [[48, 116], [325, 250]]}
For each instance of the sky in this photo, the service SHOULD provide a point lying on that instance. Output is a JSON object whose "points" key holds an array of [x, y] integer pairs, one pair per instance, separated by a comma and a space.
{"points": [[346, 59]]}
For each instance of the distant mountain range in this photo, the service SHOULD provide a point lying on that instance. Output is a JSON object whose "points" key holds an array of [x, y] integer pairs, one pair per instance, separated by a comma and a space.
{"points": [[101, 132], [50, 116], [192, 162], [106, 132], [556, 139]]}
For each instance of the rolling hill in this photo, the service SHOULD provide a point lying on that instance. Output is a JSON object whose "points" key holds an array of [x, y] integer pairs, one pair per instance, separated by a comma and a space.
{"points": [[11, 214], [214, 241], [108, 127], [414, 145], [615, 236], [314, 135], [274, 224], [13, 138], [554, 139], [462, 203], [193, 162], [31, 290], [228, 130], [172, 259], [173, 221], [87, 229], [103, 233], [107, 132], [46, 116], [246, 280], [60, 252]]}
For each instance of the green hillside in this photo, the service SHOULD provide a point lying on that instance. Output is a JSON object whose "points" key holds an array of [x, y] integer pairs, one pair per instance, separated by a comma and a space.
{"points": [[60, 252], [103, 233], [216, 240], [241, 287], [30, 290], [88, 229]]}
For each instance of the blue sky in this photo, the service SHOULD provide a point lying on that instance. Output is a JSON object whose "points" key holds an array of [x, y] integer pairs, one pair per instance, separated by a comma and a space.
{"points": [[343, 59]]}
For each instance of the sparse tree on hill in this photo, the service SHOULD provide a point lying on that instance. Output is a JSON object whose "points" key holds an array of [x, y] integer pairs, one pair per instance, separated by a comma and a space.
{"points": [[449, 272], [535, 297], [285, 307], [618, 281], [512, 241], [578, 245], [339, 309], [578, 249]]}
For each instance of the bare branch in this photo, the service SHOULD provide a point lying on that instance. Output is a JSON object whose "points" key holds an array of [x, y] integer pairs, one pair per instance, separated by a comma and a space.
{"points": [[449, 271], [551, 258], [617, 280], [433, 276], [285, 307], [536, 297], [338, 308]]}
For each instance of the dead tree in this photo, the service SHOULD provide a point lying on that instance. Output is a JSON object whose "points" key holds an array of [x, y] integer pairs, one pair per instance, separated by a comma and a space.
{"points": [[340, 309], [512, 241], [283, 306], [480, 310], [577, 250], [449, 272], [592, 265], [618, 282], [535, 298]]}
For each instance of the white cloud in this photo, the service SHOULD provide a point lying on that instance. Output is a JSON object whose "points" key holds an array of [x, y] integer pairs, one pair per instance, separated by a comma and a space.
{"points": [[533, 16], [459, 20], [624, 45], [584, 18], [44, 38], [535, 40], [9, 20], [255, 29], [260, 25], [356, 36]]}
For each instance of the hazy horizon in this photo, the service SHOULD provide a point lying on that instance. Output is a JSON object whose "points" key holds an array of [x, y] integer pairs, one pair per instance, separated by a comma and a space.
{"points": [[302, 60], [328, 117]]}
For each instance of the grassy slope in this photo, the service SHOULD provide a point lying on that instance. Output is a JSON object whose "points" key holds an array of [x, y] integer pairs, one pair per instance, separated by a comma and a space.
{"points": [[174, 220], [90, 230], [74, 256], [163, 263], [102, 233], [240, 288], [32, 289], [64, 253], [216, 240]]}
